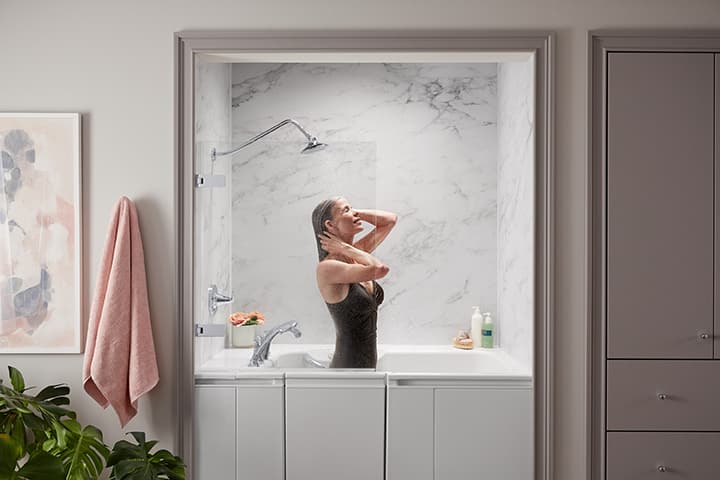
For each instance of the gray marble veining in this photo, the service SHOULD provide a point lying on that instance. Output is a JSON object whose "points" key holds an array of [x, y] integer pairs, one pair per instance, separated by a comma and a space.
{"points": [[445, 146], [416, 139]]}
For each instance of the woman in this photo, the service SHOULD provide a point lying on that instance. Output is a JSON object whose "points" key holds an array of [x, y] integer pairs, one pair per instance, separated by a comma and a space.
{"points": [[346, 277]]}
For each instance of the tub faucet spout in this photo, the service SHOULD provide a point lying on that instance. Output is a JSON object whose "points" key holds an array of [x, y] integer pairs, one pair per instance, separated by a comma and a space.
{"points": [[262, 343]]}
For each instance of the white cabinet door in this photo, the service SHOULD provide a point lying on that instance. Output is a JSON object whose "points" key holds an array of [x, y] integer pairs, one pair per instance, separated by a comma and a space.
{"points": [[260, 432], [335, 429], [214, 437], [410, 433], [483, 433]]}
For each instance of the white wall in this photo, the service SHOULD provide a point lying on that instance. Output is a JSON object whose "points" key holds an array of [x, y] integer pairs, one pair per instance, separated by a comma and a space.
{"points": [[213, 129], [114, 63], [516, 204], [419, 140]]}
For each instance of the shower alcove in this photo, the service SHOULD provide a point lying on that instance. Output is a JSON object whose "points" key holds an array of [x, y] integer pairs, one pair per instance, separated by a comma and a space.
{"points": [[450, 132]]}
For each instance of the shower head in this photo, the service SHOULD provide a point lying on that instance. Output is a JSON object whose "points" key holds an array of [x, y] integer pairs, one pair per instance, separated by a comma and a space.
{"points": [[313, 146]]}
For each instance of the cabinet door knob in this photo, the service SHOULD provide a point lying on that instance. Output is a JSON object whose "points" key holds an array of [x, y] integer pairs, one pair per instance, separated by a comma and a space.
{"points": [[704, 336], [662, 396], [662, 468]]}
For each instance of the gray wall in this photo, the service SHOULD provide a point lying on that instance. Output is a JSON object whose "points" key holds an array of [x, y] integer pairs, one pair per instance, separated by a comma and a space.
{"points": [[114, 63]]}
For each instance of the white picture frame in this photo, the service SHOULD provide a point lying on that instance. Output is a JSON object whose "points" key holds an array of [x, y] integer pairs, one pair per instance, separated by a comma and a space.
{"points": [[40, 233]]}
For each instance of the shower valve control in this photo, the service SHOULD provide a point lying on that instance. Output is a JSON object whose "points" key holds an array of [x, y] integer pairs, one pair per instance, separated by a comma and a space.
{"points": [[216, 298]]}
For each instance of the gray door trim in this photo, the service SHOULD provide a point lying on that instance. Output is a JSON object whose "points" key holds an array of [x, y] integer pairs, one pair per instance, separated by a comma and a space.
{"points": [[600, 43], [187, 45]]}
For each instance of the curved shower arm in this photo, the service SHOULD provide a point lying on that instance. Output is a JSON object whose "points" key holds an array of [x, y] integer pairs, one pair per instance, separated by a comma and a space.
{"points": [[214, 153]]}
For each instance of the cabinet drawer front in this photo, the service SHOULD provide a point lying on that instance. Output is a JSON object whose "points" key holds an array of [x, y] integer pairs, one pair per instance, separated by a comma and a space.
{"points": [[663, 395], [671, 455]]}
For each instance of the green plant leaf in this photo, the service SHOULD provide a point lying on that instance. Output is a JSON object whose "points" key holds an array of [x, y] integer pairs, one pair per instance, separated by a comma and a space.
{"points": [[60, 437], [29, 419], [123, 450], [139, 437], [84, 454], [10, 453], [134, 461], [42, 466], [73, 426], [16, 379], [132, 469], [18, 433], [47, 434], [149, 445], [52, 445], [53, 391], [60, 401], [58, 411]]}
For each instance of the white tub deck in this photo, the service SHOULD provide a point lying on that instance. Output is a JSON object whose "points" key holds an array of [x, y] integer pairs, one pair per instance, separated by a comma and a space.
{"points": [[396, 362]]}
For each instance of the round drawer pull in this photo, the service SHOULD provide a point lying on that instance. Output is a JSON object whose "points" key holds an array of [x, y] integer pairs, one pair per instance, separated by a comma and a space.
{"points": [[662, 468], [704, 336], [662, 396]]}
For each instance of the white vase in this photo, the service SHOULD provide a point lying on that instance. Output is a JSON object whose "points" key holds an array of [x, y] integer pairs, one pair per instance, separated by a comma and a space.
{"points": [[243, 336]]}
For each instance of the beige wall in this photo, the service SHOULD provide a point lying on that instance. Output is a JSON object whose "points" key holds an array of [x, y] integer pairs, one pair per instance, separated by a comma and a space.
{"points": [[114, 63]]}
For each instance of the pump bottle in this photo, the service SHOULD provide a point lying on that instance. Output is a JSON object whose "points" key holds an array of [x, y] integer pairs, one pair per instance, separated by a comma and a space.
{"points": [[488, 332], [476, 326]]}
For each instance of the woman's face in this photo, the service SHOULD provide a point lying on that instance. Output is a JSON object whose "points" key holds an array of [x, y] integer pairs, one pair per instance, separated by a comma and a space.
{"points": [[345, 221]]}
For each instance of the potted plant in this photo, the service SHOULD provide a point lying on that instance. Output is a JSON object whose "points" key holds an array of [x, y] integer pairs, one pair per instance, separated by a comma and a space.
{"points": [[41, 439], [135, 462], [243, 327]]}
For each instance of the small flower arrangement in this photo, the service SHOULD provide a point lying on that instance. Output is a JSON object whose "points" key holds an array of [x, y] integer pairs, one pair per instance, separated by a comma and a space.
{"points": [[242, 319]]}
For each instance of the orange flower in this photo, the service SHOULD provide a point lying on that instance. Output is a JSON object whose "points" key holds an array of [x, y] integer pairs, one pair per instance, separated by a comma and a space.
{"points": [[238, 318], [242, 318], [255, 318]]}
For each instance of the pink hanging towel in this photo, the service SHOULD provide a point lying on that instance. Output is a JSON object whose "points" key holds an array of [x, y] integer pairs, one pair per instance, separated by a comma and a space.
{"points": [[120, 365]]}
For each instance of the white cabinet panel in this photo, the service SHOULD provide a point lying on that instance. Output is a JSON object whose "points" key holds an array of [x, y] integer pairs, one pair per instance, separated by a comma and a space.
{"points": [[483, 434], [335, 432], [410, 433], [260, 433], [214, 437]]}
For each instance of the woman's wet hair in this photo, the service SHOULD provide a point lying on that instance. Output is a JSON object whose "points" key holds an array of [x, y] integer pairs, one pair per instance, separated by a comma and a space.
{"points": [[322, 212]]}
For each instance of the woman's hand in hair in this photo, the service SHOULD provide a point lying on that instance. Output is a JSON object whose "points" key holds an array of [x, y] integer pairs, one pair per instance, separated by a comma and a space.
{"points": [[333, 245]]}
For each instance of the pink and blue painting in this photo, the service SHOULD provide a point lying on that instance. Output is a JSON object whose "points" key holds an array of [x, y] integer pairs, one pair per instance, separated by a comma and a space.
{"points": [[40, 233]]}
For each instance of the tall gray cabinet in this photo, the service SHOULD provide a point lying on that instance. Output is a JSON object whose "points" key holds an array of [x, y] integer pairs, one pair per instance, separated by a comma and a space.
{"points": [[660, 366]]}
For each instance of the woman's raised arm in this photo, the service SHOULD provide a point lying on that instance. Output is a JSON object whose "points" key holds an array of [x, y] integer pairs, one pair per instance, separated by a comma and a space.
{"points": [[384, 223]]}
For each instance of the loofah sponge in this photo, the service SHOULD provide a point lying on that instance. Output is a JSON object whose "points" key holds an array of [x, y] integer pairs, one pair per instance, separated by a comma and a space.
{"points": [[463, 341]]}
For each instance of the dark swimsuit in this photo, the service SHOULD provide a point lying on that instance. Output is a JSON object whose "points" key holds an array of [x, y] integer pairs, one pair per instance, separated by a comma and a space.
{"points": [[355, 320]]}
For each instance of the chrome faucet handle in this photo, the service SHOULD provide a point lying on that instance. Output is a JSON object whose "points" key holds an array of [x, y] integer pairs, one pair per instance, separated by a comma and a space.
{"points": [[261, 350], [256, 359]]}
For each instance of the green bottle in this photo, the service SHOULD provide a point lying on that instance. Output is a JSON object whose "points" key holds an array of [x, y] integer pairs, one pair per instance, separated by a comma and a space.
{"points": [[488, 332]]}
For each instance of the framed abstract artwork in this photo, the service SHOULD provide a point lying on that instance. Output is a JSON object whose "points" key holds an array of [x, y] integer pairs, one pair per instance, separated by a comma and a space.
{"points": [[40, 233]]}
